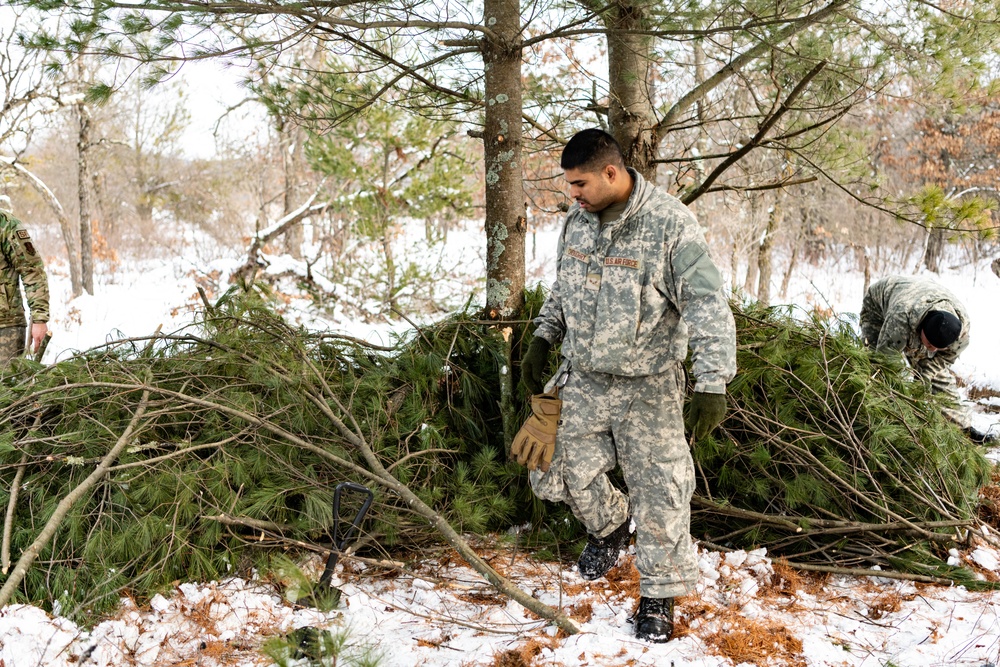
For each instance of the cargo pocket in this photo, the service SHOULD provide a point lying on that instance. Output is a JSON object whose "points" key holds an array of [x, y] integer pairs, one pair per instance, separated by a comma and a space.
{"points": [[616, 326], [659, 462], [549, 485]]}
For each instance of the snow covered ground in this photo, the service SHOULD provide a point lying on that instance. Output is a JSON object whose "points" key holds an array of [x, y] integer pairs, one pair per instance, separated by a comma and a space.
{"points": [[743, 614], [748, 610]]}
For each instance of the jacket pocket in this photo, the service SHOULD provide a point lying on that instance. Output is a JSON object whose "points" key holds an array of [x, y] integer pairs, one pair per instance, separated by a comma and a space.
{"points": [[617, 318]]}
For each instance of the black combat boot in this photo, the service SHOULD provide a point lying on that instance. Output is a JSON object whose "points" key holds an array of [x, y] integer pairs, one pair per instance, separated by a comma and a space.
{"points": [[601, 553], [654, 622]]}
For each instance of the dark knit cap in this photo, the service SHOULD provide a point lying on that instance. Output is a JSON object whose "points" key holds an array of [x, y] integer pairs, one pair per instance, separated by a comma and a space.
{"points": [[941, 328]]}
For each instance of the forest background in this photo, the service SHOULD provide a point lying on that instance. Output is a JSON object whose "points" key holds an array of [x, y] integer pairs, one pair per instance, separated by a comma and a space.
{"points": [[793, 130]]}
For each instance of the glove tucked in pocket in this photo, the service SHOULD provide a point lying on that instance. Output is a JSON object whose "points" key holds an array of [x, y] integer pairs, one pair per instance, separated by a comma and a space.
{"points": [[535, 443]]}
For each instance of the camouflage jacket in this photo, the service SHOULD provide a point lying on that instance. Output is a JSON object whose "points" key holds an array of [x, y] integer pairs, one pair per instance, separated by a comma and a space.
{"points": [[893, 308], [19, 259], [630, 297]]}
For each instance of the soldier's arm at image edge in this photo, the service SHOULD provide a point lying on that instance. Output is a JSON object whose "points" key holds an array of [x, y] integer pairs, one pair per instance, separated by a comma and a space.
{"points": [[870, 326], [30, 267]]}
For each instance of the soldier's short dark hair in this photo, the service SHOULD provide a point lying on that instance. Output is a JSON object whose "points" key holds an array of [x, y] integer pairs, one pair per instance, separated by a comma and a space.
{"points": [[592, 150]]}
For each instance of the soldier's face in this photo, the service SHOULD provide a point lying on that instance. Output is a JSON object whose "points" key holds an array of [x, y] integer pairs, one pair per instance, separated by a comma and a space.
{"points": [[927, 343], [593, 190]]}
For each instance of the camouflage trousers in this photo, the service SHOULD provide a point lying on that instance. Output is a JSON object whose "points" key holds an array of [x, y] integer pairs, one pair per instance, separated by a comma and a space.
{"points": [[13, 343], [637, 423]]}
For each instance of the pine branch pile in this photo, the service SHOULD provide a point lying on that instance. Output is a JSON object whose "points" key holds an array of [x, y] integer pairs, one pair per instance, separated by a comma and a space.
{"points": [[833, 455], [237, 430], [236, 455]]}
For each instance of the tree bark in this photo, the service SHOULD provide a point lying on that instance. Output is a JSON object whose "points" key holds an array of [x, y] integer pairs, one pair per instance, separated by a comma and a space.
{"points": [[630, 111], [506, 220], [753, 249], [933, 249], [506, 214], [290, 143], [83, 183], [790, 268], [390, 266], [764, 255], [702, 143]]}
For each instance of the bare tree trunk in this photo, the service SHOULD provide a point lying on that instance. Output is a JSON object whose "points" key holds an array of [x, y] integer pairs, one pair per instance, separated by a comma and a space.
{"points": [[764, 254], [750, 281], [630, 110], [506, 221], [775, 218], [506, 214], [787, 278], [390, 266], [866, 260], [699, 77], [290, 144], [933, 249], [106, 227], [83, 181], [734, 262], [815, 245]]}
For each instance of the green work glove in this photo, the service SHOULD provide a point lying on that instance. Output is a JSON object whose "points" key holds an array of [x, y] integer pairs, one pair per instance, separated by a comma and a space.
{"points": [[705, 413], [533, 364]]}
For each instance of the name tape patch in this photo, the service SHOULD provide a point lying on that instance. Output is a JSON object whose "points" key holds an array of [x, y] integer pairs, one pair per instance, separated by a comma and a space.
{"points": [[627, 262], [576, 254]]}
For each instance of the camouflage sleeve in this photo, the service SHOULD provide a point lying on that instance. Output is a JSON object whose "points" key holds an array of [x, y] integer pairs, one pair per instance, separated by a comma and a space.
{"points": [[885, 326], [936, 371], [870, 320], [706, 312], [28, 263], [551, 323]]}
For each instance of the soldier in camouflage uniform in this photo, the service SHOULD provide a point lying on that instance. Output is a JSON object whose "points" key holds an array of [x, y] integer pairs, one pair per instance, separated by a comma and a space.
{"points": [[929, 326], [20, 263], [635, 286]]}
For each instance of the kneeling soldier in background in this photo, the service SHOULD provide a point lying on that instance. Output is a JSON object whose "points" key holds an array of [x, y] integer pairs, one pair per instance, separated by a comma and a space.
{"points": [[930, 327]]}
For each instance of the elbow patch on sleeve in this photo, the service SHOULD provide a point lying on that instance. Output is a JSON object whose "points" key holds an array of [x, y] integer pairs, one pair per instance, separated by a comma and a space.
{"points": [[696, 270]]}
